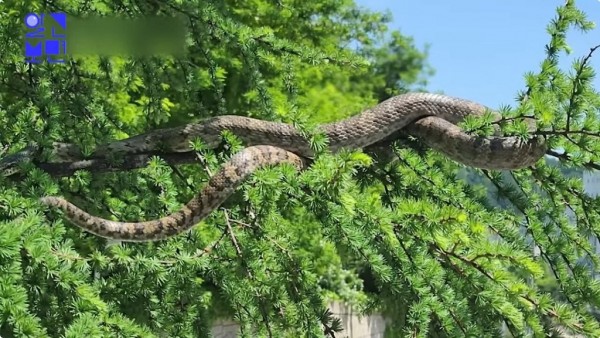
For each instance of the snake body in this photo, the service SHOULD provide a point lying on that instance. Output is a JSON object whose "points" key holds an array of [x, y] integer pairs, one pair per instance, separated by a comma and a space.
{"points": [[431, 117], [217, 190]]}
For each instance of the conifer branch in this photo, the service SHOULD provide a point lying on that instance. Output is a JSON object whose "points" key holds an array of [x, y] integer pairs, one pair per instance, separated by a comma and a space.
{"points": [[575, 90]]}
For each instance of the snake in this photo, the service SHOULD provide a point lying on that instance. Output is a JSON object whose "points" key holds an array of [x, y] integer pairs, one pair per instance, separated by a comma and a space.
{"points": [[432, 118]]}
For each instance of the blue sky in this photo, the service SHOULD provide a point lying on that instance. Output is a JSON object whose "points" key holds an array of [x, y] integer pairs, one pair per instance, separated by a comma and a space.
{"points": [[481, 50]]}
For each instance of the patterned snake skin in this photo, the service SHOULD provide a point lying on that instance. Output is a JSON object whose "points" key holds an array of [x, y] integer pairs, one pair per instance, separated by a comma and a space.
{"points": [[431, 117]]}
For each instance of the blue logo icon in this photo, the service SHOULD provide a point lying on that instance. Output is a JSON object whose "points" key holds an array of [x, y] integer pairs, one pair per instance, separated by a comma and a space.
{"points": [[46, 37]]}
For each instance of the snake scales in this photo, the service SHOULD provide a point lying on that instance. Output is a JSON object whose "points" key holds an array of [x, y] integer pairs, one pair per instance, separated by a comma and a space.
{"points": [[431, 117]]}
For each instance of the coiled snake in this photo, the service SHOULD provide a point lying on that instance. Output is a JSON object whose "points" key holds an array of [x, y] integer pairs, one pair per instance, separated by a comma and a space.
{"points": [[431, 117]]}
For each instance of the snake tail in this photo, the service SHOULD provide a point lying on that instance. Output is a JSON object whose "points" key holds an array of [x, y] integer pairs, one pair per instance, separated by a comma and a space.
{"points": [[219, 187]]}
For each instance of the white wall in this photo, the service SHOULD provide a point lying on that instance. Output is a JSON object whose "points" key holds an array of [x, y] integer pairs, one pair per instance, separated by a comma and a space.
{"points": [[355, 326], [591, 182]]}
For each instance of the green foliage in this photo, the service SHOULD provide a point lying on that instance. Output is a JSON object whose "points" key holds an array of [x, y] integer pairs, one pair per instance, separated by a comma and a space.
{"points": [[404, 237]]}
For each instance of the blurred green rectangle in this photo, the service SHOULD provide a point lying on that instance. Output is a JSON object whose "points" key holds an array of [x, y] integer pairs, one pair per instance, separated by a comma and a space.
{"points": [[115, 36]]}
